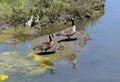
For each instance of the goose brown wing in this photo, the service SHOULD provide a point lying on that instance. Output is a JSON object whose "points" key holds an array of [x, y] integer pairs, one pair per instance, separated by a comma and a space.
{"points": [[68, 31], [45, 45]]}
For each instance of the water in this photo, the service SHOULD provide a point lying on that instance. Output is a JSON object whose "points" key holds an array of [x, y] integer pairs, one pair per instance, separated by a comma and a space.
{"points": [[97, 62]]}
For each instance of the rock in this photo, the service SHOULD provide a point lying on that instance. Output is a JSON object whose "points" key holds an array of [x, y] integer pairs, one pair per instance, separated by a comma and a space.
{"points": [[4, 25], [34, 30], [88, 15], [44, 21], [96, 13]]}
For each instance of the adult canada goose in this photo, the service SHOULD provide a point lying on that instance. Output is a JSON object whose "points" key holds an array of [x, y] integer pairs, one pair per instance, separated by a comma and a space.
{"points": [[68, 31], [32, 22], [45, 45], [29, 22]]}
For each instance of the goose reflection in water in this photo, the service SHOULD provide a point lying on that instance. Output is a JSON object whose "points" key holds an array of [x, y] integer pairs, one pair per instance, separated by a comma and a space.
{"points": [[52, 72], [72, 58]]}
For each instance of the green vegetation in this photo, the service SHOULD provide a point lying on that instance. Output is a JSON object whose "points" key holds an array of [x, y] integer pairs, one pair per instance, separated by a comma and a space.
{"points": [[18, 33], [13, 7], [13, 62], [24, 8]]}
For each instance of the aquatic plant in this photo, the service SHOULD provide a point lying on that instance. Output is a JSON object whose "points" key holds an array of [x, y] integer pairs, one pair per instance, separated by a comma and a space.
{"points": [[13, 62], [14, 34], [3, 77], [24, 8]]}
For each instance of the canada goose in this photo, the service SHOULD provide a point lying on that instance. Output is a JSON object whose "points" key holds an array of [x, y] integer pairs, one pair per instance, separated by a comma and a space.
{"points": [[60, 47], [45, 45], [29, 22], [68, 31], [32, 22]]}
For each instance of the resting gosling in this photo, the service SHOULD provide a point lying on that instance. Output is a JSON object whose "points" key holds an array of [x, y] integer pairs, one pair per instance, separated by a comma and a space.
{"points": [[68, 31], [45, 45]]}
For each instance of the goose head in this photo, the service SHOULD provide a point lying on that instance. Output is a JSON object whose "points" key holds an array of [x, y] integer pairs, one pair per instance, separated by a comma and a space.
{"points": [[50, 38], [72, 20]]}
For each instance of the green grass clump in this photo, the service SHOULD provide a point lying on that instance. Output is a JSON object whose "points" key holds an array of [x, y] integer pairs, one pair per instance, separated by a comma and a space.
{"points": [[24, 8]]}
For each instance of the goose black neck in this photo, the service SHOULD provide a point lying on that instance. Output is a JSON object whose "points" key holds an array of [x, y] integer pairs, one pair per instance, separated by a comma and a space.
{"points": [[50, 38], [72, 22]]}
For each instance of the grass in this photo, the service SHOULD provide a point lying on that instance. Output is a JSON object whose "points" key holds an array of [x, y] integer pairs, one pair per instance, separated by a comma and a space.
{"points": [[24, 8]]}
